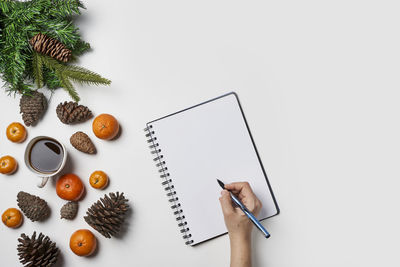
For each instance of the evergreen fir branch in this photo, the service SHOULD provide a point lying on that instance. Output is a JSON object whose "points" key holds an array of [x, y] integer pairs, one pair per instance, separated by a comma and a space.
{"points": [[19, 22], [82, 75], [24, 89], [14, 50], [75, 73], [5, 6], [50, 79], [80, 48], [51, 63], [65, 8], [14, 67], [37, 66], [13, 56], [63, 30], [20, 14], [65, 73], [67, 85]]}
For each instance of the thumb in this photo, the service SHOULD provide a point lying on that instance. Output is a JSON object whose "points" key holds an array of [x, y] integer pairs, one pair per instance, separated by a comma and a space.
{"points": [[226, 203]]}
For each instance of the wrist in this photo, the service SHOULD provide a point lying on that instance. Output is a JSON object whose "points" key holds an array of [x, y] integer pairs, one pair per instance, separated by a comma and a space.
{"points": [[240, 250], [240, 237]]}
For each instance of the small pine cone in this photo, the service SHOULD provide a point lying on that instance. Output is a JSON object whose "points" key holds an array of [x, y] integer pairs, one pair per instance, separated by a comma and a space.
{"points": [[71, 112], [108, 214], [35, 208], [32, 107], [69, 210], [49, 46], [37, 252], [82, 142]]}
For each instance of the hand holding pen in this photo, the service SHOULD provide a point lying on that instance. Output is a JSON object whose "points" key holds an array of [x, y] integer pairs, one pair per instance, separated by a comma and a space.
{"points": [[240, 216]]}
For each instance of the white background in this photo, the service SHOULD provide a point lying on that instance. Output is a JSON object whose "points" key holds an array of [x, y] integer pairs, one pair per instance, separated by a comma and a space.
{"points": [[319, 84]]}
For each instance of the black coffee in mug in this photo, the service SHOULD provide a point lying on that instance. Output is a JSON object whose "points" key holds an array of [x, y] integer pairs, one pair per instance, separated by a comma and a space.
{"points": [[46, 155]]}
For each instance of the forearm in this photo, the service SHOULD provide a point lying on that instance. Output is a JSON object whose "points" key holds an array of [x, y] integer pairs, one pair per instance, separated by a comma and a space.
{"points": [[240, 251]]}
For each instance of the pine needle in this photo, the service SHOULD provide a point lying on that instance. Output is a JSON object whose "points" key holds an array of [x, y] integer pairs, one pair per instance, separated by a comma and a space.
{"points": [[51, 63], [58, 69], [66, 73], [67, 85], [37, 65], [82, 75], [52, 81], [75, 73], [80, 48]]}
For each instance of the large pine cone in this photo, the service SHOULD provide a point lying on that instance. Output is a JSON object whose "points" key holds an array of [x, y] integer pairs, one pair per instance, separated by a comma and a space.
{"points": [[108, 214], [35, 208], [71, 112], [37, 252], [49, 46], [32, 107]]}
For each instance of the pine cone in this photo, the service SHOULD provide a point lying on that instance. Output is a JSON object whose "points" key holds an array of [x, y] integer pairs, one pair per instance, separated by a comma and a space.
{"points": [[49, 46], [32, 107], [108, 214], [82, 142], [71, 112], [37, 252], [69, 210], [35, 208]]}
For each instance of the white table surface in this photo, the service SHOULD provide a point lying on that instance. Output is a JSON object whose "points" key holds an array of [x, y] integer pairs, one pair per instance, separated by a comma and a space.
{"points": [[319, 84]]}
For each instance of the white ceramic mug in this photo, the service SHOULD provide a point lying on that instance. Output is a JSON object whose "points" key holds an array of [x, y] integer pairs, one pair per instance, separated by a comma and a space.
{"points": [[44, 176]]}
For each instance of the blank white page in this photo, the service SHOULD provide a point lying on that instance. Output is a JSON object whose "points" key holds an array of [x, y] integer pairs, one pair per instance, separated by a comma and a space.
{"points": [[201, 144]]}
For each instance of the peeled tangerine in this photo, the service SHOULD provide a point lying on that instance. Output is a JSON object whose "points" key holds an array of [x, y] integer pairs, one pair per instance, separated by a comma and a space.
{"points": [[83, 242]]}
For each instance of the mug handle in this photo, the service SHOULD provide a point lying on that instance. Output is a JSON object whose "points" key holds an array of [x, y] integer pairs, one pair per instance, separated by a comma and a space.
{"points": [[43, 182]]}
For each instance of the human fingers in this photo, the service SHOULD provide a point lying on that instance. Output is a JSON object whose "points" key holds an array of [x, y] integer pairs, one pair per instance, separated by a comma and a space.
{"points": [[253, 204], [242, 189], [246, 195], [226, 203]]}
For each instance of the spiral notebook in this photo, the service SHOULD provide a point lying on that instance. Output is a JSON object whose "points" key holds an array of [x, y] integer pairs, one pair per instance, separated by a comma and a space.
{"points": [[195, 146]]}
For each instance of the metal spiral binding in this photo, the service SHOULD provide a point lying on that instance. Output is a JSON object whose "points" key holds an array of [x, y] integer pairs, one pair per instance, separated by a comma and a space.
{"points": [[168, 184]]}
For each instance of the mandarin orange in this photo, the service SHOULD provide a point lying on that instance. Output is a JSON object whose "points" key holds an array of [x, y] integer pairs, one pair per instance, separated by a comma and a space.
{"points": [[16, 132], [105, 126], [70, 187], [83, 242]]}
